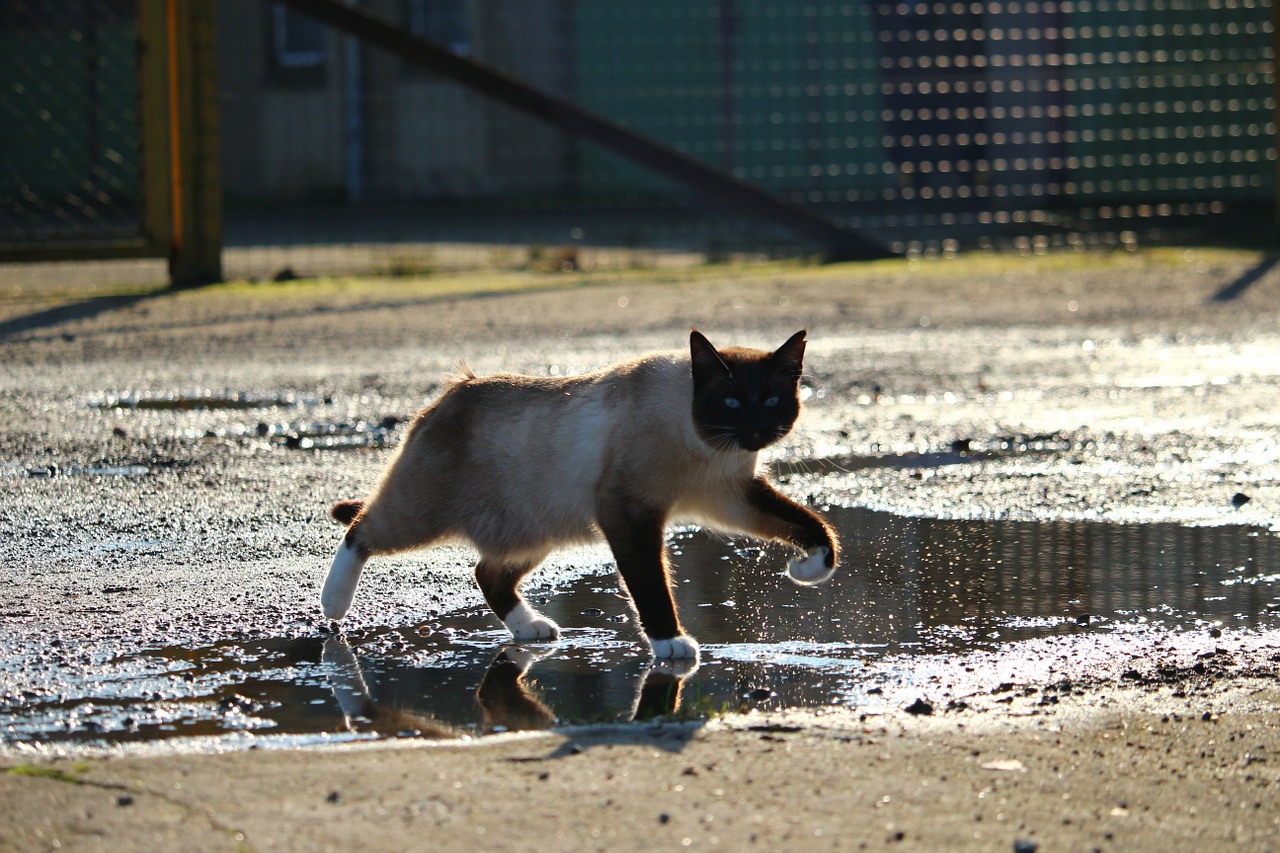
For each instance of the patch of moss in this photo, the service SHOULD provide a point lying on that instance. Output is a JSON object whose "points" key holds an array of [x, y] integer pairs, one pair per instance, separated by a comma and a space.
{"points": [[34, 772]]}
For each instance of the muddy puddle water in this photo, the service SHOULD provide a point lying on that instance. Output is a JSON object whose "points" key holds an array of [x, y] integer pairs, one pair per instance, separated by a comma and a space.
{"points": [[915, 597]]}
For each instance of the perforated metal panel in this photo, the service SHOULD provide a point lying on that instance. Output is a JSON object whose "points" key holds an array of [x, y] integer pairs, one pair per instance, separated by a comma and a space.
{"points": [[947, 113]]}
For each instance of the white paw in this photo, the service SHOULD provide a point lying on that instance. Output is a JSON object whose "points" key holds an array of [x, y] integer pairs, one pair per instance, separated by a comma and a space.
{"points": [[679, 647], [680, 669], [812, 568], [340, 585], [528, 625]]}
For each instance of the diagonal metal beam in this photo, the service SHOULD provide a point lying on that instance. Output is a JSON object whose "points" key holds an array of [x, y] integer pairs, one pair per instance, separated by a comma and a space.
{"points": [[840, 243]]}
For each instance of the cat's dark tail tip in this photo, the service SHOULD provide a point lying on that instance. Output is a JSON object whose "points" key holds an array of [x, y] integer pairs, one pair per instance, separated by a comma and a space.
{"points": [[345, 512]]}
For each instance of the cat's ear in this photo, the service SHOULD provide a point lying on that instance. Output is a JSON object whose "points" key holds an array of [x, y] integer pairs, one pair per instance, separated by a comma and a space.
{"points": [[788, 359], [707, 363]]}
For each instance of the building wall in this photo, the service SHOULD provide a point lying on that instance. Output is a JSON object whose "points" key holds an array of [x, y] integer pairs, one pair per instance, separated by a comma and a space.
{"points": [[836, 103], [288, 132], [283, 136]]}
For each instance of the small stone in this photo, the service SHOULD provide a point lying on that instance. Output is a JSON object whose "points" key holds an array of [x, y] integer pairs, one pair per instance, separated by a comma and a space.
{"points": [[334, 797], [1023, 845], [919, 708], [124, 800], [1239, 499], [236, 703]]}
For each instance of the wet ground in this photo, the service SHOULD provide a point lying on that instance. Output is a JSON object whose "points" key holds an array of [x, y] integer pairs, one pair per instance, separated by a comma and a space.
{"points": [[1044, 478], [917, 599]]}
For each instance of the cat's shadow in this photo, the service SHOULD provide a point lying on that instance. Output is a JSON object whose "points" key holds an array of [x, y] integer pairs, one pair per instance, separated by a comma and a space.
{"points": [[508, 704]]}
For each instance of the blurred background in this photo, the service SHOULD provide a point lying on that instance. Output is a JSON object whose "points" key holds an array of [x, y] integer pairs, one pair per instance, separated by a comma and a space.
{"points": [[193, 141]]}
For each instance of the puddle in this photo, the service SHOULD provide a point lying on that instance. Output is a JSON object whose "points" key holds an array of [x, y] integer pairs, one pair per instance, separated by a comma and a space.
{"points": [[50, 471], [332, 436], [915, 597], [960, 452], [207, 400], [317, 435]]}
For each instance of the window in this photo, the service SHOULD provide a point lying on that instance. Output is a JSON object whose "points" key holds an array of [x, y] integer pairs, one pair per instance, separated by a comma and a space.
{"points": [[441, 21], [297, 41]]}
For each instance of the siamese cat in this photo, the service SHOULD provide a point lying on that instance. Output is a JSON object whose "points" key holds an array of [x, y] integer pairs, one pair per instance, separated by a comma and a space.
{"points": [[518, 465]]}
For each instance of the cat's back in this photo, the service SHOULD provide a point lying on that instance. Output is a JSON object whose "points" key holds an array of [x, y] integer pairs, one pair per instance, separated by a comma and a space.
{"points": [[562, 420], [655, 378], [535, 451]]}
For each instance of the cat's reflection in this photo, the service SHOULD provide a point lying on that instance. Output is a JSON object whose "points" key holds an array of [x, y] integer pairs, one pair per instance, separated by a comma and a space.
{"points": [[359, 712], [505, 699]]}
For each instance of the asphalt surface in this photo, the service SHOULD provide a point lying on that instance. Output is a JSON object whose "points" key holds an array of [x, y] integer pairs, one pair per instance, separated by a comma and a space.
{"points": [[1154, 401], [166, 460]]}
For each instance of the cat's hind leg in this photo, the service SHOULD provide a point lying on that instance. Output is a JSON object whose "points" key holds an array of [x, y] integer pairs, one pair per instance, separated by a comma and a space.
{"points": [[382, 525], [343, 578], [500, 582]]}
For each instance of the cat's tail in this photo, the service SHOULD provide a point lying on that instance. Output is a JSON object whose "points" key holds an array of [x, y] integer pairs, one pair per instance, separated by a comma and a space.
{"points": [[345, 512]]}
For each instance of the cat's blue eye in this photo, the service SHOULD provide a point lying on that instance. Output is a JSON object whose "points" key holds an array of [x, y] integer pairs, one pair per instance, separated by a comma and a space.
{"points": [[770, 402], [732, 403]]}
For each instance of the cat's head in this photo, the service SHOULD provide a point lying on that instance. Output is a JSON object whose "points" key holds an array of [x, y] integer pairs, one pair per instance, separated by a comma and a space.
{"points": [[744, 398]]}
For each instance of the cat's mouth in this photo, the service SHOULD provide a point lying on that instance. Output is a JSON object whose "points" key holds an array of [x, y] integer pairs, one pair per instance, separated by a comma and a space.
{"points": [[754, 441], [750, 441]]}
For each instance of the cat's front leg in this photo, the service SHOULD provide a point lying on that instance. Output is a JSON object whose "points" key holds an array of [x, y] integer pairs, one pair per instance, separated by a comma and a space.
{"points": [[815, 567], [775, 516], [636, 535]]}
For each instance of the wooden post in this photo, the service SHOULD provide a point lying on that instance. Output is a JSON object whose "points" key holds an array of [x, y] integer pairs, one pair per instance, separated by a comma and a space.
{"points": [[1275, 115], [183, 174]]}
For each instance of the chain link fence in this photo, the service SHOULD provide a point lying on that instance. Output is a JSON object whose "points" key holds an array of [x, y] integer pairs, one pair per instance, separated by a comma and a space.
{"points": [[70, 151], [929, 127]]}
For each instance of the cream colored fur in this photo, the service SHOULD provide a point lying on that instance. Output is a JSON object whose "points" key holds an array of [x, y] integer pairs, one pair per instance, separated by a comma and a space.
{"points": [[529, 476]]}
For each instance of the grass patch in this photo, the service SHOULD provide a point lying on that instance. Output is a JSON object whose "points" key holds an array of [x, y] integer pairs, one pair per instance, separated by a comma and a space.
{"points": [[32, 771], [337, 291], [414, 279]]}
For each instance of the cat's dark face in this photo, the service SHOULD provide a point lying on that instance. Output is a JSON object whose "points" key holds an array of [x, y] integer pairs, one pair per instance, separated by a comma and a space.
{"points": [[745, 399]]}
